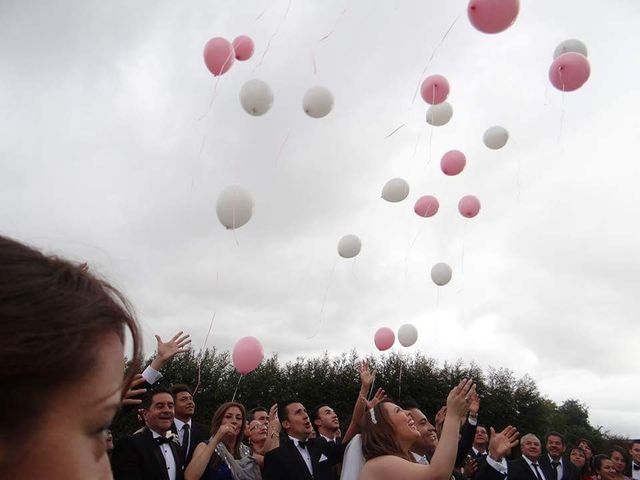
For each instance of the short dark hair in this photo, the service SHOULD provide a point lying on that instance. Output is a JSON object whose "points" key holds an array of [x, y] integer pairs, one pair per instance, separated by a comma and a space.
{"points": [[254, 410], [634, 441], [597, 461], [408, 404], [283, 411], [556, 434], [179, 388], [315, 413], [482, 426], [147, 399], [621, 451]]}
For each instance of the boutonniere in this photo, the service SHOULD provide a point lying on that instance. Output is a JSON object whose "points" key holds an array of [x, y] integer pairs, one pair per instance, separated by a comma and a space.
{"points": [[172, 436]]}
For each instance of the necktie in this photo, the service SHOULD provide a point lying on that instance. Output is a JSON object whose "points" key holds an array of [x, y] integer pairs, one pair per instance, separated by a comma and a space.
{"points": [[186, 439], [554, 470], [535, 469], [161, 440]]}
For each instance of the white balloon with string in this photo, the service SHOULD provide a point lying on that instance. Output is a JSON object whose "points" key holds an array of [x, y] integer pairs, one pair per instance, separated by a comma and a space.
{"points": [[496, 137], [317, 102], [407, 335], [440, 114], [395, 190], [349, 246], [441, 274], [234, 207], [256, 97]]}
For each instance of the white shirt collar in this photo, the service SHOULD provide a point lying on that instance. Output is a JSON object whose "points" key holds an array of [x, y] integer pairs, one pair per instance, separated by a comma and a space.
{"points": [[530, 462], [296, 440], [179, 423], [420, 457], [328, 439], [552, 460], [476, 451]]}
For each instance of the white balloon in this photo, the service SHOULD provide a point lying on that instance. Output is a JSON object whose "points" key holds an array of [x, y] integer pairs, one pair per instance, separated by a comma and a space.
{"points": [[256, 97], [571, 45], [349, 246], [439, 114], [395, 190], [317, 102], [441, 274], [407, 335], [496, 137], [234, 207]]}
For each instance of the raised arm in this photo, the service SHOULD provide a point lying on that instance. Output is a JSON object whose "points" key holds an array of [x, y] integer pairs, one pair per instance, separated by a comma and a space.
{"points": [[204, 451], [273, 430], [367, 376]]}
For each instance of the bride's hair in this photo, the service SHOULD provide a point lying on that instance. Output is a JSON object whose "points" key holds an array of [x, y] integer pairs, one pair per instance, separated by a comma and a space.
{"points": [[378, 436]]}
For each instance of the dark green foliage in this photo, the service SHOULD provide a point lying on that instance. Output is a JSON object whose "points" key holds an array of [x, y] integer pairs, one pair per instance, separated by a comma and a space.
{"points": [[505, 398]]}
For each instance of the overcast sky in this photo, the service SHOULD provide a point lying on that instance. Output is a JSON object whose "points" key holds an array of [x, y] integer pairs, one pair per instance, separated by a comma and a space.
{"points": [[116, 142]]}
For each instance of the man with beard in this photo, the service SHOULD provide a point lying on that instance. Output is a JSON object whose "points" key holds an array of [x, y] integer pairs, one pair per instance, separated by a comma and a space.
{"points": [[553, 465]]}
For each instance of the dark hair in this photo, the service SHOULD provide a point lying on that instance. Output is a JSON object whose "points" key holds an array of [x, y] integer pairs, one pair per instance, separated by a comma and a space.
{"points": [[255, 410], [588, 442], [482, 426], [408, 405], [556, 434], [216, 422], [315, 414], [54, 313], [633, 442], [378, 437], [147, 398], [584, 471], [621, 451], [179, 388], [283, 411], [597, 461]]}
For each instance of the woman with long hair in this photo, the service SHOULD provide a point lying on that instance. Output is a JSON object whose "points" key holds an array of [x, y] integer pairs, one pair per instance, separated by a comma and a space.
{"points": [[62, 335], [579, 459], [224, 456], [589, 452], [389, 431]]}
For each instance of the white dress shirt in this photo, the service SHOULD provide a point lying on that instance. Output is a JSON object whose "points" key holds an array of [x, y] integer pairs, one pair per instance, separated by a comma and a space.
{"points": [[180, 428], [560, 468], [421, 459], [635, 474], [167, 453], [306, 456], [151, 375], [328, 439], [539, 473]]}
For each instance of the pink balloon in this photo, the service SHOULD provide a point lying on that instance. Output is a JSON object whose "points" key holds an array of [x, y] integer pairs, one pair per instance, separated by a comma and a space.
{"points": [[247, 354], [569, 71], [243, 47], [493, 16], [453, 162], [469, 206], [384, 338], [218, 55], [434, 89], [426, 206]]}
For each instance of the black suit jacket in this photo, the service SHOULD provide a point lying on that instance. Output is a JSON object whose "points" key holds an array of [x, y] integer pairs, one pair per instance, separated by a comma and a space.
{"points": [[199, 434], [518, 469], [466, 442], [569, 470], [138, 457], [286, 462]]}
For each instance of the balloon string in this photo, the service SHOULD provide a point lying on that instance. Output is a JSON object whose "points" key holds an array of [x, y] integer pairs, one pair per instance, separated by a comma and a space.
{"points": [[401, 126], [430, 142], [204, 346], [335, 25], [464, 234], [313, 61], [371, 389], [266, 50], [324, 301], [233, 399], [561, 111], [400, 379], [286, 139]]}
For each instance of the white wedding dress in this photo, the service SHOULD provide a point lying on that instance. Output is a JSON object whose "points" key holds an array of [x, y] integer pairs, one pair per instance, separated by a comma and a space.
{"points": [[353, 460]]}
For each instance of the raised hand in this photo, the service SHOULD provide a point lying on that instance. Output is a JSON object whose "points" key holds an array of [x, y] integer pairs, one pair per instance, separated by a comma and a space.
{"points": [[367, 376], [501, 443], [440, 416], [470, 468], [274, 422], [377, 398], [226, 429], [167, 350], [474, 406], [127, 398], [459, 398]]}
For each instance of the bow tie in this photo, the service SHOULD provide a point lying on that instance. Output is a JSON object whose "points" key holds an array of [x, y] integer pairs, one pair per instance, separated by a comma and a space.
{"points": [[555, 464], [636, 467], [303, 443], [161, 440]]}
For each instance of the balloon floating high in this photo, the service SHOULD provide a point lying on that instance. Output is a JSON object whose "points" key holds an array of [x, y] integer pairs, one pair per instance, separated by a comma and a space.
{"points": [[495, 137], [571, 45], [349, 246], [441, 274], [234, 207], [384, 339], [434, 89], [247, 355], [439, 115], [493, 16], [426, 206], [219, 55], [256, 97], [469, 206], [395, 190], [407, 335], [569, 71], [243, 48], [317, 102], [453, 162]]}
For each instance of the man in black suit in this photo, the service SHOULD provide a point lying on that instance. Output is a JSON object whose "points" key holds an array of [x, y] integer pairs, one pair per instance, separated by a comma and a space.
{"points": [[524, 468], [298, 458], [553, 465], [325, 421], [189, 432], [633, 471], [153, 453]]}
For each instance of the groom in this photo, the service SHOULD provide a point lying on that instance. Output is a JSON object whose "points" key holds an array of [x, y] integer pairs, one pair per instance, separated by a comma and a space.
{"points": [[154, 453]]}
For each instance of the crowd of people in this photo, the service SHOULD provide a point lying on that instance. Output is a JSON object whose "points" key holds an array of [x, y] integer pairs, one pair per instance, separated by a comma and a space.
{"points": [[63, 336]]}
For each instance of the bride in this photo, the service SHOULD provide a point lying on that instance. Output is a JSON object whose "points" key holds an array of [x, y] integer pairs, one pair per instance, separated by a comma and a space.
{"points": [[388, 433]]}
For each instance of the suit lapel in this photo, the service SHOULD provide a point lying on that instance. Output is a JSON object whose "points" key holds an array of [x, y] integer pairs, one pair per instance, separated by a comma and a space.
{"points": [[314, 453], [157, 455], [298, 460], [178, 457]]}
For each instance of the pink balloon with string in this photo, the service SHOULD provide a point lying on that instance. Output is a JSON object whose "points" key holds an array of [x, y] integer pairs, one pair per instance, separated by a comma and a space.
{"points": [[426, 206], [243, 46], [218, 55], [469, 206], [384, 339], [493, 16], [434, 89], [569, 71], [453, 162], [247, 355]]}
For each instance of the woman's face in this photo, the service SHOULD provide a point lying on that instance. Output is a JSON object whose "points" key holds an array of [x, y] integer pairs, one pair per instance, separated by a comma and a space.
{"points": [[618, 461], [257, 431], [70, 442], [577, 458], [403, 425], [233, 416], [586, 448], [607, 471]]}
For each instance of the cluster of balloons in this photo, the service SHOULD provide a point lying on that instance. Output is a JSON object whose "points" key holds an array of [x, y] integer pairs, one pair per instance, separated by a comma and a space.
{"points": [[384, 337], [247, 355], [220, 53], [570, 68], [256, 97]]}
